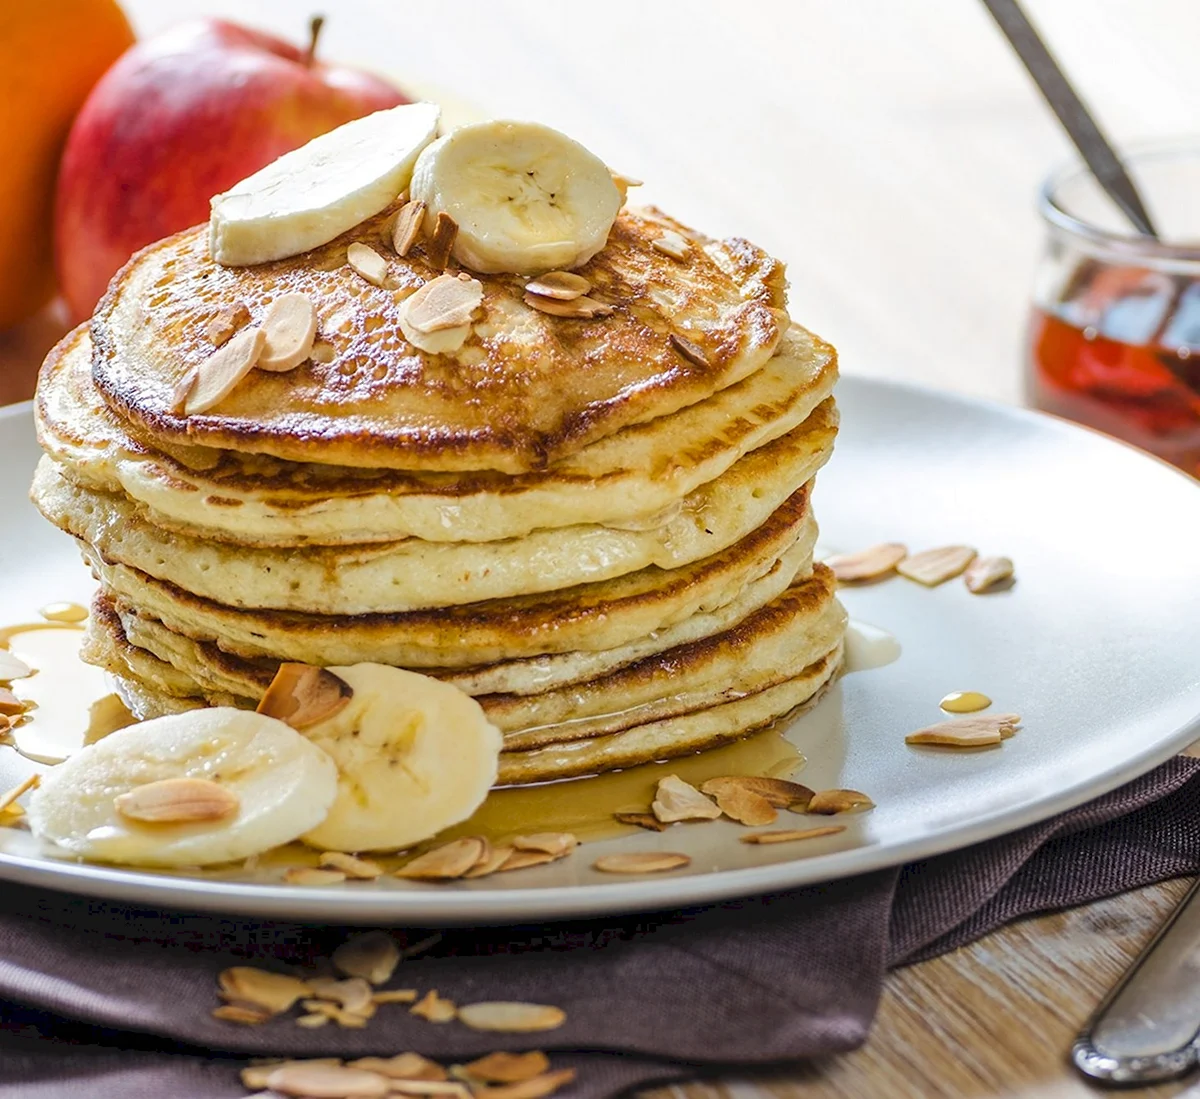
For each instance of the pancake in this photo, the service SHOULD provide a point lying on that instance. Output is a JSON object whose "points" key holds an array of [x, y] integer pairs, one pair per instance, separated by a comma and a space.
{"points": [[589, 619], [411, 574], [233, 497], [525, 389]]}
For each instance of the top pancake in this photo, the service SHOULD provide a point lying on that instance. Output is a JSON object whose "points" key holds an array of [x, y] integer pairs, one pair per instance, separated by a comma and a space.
{"points": [[525, 389]]}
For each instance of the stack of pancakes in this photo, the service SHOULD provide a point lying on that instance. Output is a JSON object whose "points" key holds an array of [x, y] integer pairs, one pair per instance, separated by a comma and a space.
{"points": [[601, 528]]}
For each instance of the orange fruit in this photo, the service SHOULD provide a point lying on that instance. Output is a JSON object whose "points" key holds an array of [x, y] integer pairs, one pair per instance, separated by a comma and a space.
{"points": [[51, 53]]}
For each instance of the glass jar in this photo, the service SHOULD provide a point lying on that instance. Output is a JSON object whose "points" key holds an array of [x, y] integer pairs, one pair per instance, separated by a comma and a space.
{"points": [[1114, 336]]}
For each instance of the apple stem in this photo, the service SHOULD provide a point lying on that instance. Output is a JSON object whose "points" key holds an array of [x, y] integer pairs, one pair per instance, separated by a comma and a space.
{"points": [[314, 32]]}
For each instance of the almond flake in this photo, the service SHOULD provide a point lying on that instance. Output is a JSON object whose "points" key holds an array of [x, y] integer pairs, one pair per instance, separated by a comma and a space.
{"points": [[430, 1087], [507, 1068], [867, 564], [560, 285], [641, 820], [395, 996], [641, 862], [229, 320], [327, 1082], [936, 566], [678, 800], [353, 994], [422, 946], [352, 866], [367, 262], [408, 226], [511, 1017], [519, 860], [255, 1076], [273, 992], [290, 326], [444, 302], [432, 1007], [672, 244], [218, 375], [10, 705], [987, 572], [238, 1013], [537, 1087], [12, 668], [623, 183], [311, 1022], [373, 956], [787, 835], [310, 875], [491, 861], [972, 731], [693, 352], [778, 792], [450, 860], [175, 800], [582, 308], [441, 241], [552, 843], [404, 1066], [746, 807], [301, 695], [828, 802]]}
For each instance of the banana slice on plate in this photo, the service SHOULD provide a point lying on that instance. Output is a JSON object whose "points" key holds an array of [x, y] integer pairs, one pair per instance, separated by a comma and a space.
{"points": [[319, 191], [414, 756], [526, 198], [192, 789]]}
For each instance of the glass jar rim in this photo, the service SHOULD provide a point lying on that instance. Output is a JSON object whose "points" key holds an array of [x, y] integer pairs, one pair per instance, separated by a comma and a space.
{"points": [[1128, 243]]}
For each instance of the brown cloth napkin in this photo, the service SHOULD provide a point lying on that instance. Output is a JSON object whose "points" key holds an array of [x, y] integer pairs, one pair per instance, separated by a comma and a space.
{"points": [[107, 1000]]}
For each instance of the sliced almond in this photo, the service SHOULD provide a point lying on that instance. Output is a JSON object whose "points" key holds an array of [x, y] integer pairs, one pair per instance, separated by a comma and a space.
{"points": [[673, 244], [228, 321], [641, 862], [273, 992], [408, 226], [987, 572], [444, 302], [676, 800], [432, 1007], [536, 1087], [779, 792], [367, 262], [492, 860], [868, 564], [511, 1016], [354, 994], [623, 183], [560, 285], [372, 956], [327, 1082], [552, 843], [311, 1022], [936, 566], [828, 802], [972, 731], [240, 1013], [507, 1068], [290, 326], [422, 946], [430, 1087], [302, 695], [175, 800], [395, 996], [404, 1066], [10, 705], [311, 875], [450, 860], [441, 240], [352, 866], [746, 807], [693, 352], [519, 860], [787, 835], [582, 308], [218, 375], [641, 820], [255, 1076], [12, 667], [9, 797]]}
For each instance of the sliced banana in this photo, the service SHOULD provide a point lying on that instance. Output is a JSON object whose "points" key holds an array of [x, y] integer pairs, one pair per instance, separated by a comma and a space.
{"points": [[527, 199], [414, 756], [283, 784], [319, 191]]}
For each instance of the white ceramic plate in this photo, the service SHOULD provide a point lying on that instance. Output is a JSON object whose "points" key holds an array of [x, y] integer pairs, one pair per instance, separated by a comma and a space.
{"points": [[1096, 646]]}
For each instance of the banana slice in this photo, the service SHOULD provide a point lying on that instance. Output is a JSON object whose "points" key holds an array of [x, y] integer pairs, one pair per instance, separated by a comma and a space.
{"points": [[526, 198], [414, 756], [271, 786], [319, 191]]}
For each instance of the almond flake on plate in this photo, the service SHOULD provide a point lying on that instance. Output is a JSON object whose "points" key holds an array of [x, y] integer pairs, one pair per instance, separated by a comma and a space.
{"points": [[828, 802], [12, 667], [676, 800], [315, 1081], [432, 1007], [582, 308], [450, 860], [175, 800], [519, 860], [352, 994], [301, 695], [367, 262], [218, 375], [673, 244], [311, 1022], [9, 797], [10, 705], [563, 285], [507, 1068], [641, 820], [444, 302], [352, 866], [273, 992], [552, 843], [408, 226], [255, 1076], [987, 572], [311, 875], [511, 1017], [972, 731], [492, 860], [746, 807], [239, 1013], [641, 862], [936, 566], [787, 835], [290, 326], [430, 1087], [779, 792], [373, 956], [693, 352], [229, 320], [404, 1066], [536, 1087], [867, 564], [441, 240]]}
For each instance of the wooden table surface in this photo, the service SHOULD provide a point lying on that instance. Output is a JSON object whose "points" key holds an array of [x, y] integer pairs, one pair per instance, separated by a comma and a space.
{"points": [[891, 152]]}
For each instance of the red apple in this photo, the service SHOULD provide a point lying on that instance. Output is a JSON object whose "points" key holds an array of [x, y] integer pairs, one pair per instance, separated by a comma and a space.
{"points": [[177, 119]]}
